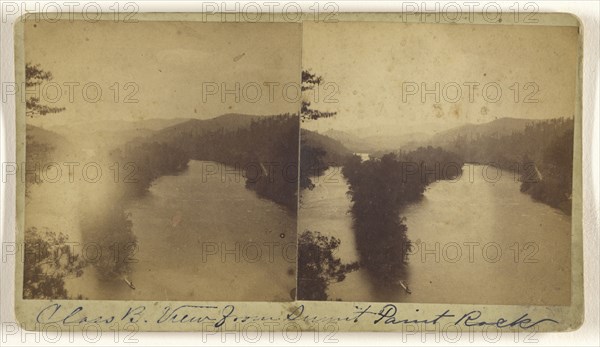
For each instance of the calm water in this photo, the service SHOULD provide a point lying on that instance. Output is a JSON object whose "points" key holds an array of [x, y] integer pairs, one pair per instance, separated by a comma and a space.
{"points": [[205, 238], [474, 242]]}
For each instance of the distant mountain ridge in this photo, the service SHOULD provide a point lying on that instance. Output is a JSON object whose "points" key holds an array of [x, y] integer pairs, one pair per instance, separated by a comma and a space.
{"points": [[334, 149], [153, 124], [374, 143], [111, 133], [195, 127], [468, 132], [497, 127], [335, 142], [44, 136], [114, 133], [351, 142], [382, 144]]}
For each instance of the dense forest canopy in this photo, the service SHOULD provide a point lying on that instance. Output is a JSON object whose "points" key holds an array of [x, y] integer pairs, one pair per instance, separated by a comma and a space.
{"points": [[265, 151], [541, 155], [380, 188]]}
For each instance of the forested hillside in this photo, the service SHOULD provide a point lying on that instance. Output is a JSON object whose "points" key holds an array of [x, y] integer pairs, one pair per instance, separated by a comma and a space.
{"points": [[541, 153], [317, 153], [264, 149]]}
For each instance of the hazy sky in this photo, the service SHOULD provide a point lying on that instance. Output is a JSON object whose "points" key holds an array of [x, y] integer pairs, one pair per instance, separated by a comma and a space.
{"points": [[371, 63], [378, 71], [170, 62]]}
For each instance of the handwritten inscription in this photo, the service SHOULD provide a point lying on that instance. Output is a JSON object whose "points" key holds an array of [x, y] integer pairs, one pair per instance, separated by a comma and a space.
{"points": [[217, 316]]}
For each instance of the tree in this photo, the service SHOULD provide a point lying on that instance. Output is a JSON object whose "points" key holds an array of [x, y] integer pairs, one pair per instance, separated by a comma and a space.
{"points": [[48, 261], [318, 267], [380, 189], [111, 232], [48, 257], [311, 157], [37, 152], [309, 82], [312, 163], [529, 173], [34, 77]]}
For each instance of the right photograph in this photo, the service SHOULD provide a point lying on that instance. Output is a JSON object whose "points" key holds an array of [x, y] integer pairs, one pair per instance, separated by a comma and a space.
{"points": [[436, 163]]}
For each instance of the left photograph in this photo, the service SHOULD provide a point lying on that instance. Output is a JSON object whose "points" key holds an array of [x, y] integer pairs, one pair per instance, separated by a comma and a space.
{"points": [[161, 160]]}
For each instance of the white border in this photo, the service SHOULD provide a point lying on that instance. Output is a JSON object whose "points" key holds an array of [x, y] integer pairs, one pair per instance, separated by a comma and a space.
{"points": [[587, 11]]}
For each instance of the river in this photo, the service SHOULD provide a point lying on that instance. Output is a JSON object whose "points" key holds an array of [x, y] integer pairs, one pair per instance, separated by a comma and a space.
{"points": [[475, 241], [204, 237]]}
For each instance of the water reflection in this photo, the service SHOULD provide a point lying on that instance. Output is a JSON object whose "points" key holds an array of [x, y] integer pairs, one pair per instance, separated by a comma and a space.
{"points": [[458, 228], [203, 238]]}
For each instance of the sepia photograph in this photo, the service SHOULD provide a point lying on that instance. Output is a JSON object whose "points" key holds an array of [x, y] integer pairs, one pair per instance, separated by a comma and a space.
{"points": [[158, 166], [437, 163], [331, 172]]}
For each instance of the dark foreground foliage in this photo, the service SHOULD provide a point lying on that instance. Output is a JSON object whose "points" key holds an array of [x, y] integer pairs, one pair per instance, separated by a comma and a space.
{"points": [[48, 262], [318, 266]]}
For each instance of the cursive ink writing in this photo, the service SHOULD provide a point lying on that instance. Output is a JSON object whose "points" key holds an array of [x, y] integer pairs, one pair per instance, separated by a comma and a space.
{"points": [[388, 314]]}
